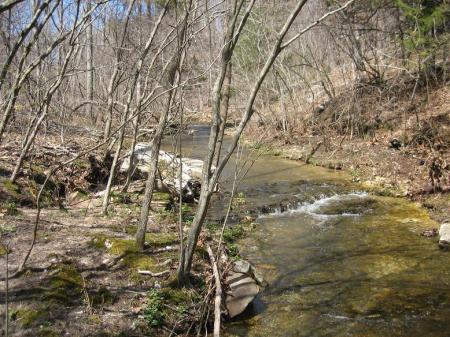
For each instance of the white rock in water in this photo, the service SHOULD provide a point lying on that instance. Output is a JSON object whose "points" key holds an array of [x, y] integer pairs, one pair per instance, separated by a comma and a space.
{"points": [[169, 166], [444, 235]]}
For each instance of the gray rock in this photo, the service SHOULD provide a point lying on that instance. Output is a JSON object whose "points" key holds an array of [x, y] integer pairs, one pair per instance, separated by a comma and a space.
{"points": [[444, 235], [244, 283], [242, 266], [242, 291]]}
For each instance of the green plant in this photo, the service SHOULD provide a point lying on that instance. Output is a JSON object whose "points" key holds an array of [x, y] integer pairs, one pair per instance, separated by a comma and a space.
{"points": [[427, 25], [239, 199], [231, 234], [11, 208], [213, 227], [233, 251], [121, 198], [153, 313]]}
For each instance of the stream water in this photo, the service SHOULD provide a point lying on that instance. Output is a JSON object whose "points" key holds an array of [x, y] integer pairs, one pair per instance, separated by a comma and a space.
{"points": [[339, 261]]}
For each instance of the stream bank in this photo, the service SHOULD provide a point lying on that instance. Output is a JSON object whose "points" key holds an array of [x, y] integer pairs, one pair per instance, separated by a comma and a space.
{"points": [[375, 166]]}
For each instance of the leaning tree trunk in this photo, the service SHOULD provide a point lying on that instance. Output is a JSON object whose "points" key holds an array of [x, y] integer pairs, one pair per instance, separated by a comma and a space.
{"points": [[172, 81]]}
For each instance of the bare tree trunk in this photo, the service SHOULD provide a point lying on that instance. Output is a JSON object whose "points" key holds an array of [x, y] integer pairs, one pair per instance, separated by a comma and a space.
{"points": [[136, 75], [89, 67], [156, 144], [180, 205], [230, 40], [224, 110]]}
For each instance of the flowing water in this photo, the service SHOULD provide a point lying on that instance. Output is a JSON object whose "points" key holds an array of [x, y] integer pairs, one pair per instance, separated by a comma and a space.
{"points": [[338, 261]]}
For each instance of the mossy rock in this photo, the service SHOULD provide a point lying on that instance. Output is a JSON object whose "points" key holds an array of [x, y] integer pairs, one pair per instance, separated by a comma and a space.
{"points": [[13, 193]]}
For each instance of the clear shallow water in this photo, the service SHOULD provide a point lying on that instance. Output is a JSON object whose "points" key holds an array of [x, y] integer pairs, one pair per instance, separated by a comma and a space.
{"points": [[338, 262]]}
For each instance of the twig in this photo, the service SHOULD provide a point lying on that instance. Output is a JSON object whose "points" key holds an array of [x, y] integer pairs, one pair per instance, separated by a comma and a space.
{"points": [[6, 292], [218, 297], [149, 273]]}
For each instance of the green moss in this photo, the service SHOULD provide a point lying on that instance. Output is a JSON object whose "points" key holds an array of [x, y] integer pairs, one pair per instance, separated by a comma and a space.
{"points": [[176, 296], [113, 246], [82, 164], [120, 197], [165, 216], [122, 246], [47, 332], [160, 239], [264, 149], [2, 250], [7, 228], [65, 286], [11, 187], [161, 196], [26, 317], [11, 208], [130, 229]]}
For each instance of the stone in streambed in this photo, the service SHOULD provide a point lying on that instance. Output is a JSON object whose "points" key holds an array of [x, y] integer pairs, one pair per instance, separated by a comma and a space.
{"points": [[243, 286], [444, 236]]}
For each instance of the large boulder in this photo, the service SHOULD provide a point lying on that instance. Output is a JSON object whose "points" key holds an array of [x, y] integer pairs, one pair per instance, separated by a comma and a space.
{"points": [[444, 235], [244, 284], [169, 167]]}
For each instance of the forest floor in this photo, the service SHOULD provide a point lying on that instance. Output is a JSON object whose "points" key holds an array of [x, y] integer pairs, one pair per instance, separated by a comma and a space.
{"points": [[83, 277]]}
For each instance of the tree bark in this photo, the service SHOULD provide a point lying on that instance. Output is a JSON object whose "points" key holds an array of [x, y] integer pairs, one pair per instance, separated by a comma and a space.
{"points": [[156, 144]]}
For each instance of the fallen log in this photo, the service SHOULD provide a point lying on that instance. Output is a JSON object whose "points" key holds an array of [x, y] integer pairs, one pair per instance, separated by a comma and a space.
{"points": [[218, 297]]}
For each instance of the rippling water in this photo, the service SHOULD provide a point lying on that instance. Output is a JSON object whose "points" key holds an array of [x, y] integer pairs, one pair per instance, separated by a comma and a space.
{"points": [[338, 261]]}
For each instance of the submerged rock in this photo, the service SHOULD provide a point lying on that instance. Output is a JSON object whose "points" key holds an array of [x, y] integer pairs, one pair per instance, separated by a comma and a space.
{"points": [[169, 167], [444, 236], [244, 284]]}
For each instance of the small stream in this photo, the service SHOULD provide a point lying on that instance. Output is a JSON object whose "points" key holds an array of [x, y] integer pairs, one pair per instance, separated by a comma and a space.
{"points": [[338, 261]]}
